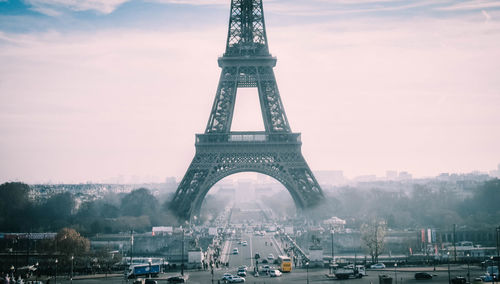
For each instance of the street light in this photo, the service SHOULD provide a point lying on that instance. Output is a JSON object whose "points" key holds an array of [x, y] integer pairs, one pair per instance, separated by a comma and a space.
{"points": [[12, 268], [396, 272], [492, 270], [468, 268], [498, 251], [55, 279], [307, 272], [72, 259], [149, 262], [449, 276]]}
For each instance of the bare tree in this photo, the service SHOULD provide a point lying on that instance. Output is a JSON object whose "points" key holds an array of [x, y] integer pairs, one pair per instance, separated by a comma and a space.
{"points": [[373, 234]]}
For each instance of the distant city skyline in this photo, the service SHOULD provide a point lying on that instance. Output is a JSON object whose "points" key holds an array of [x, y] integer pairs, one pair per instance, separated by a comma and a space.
{"points": [[91, 90]]}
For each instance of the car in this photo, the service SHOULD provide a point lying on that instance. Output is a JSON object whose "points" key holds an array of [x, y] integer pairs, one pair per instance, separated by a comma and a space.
{"points": [[150, 281], [275, 273], [377, 266], [265, 268], [226, 276], [242, 273], [458, 280], [176, 279], [422, 276], [244, 243], [243, 267], [270, 256], [235, 279], [235, 251]]}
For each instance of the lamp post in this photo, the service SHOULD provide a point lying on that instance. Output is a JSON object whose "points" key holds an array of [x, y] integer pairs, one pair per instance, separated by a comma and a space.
{"points": [[307, 272], [55, 279], [149, 262], [498, 250], [182, 253], [449, 276], [468, 267], [37, 271], [212, 271], [72, 259], [333, 255], [396, 272], [492, 270]]}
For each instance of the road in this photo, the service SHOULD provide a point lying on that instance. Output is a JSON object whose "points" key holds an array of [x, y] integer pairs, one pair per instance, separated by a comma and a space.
{"points": [[301, 275], [263, 245]]}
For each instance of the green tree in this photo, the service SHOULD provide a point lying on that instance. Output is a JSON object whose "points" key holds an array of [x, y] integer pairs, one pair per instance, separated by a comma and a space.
{"points": [[16, 208], [139, 202], [57, 211]]}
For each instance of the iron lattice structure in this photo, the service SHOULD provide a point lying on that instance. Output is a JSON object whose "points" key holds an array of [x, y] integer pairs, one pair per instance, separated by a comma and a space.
{"points": [[275, 152]]}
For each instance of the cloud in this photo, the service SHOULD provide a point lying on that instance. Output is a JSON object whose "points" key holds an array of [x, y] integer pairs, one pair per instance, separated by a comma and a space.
{"points": [[471, 5], [486, 15], [339, 7], [54, 7], [193, 2]]}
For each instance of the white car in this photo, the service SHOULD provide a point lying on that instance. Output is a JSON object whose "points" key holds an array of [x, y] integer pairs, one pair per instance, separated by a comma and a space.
{"points": [[275, 273], [235, 251], [377, 266], [226, 276], [235, 279], [265, 268], [244, 243], [270, 256]]}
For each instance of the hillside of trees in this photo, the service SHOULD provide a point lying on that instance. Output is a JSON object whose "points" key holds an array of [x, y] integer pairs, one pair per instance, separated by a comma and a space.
{"points": [[139, 209]]}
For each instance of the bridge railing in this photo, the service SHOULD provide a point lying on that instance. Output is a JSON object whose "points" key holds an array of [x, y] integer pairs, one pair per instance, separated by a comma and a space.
{"points": [[248, 137]]}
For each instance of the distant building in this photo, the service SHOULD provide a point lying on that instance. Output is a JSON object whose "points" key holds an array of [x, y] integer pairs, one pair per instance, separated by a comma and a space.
{"points": [[365, 178], [405, 176], [391, 175], [495, 173], [336, 223]]}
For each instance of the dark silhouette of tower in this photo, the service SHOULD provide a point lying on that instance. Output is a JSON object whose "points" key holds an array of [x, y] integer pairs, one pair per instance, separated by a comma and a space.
{"points": [[221, 152]]}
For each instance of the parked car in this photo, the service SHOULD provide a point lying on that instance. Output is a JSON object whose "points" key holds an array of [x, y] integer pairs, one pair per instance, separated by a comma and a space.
{"points": [[422, 276], [459, 280], [377, 266], [275, 273], [235, 279], [176, 279]]}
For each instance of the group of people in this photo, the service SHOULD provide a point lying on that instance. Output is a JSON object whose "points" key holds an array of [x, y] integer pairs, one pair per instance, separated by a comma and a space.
{"points": [[10, 279]]}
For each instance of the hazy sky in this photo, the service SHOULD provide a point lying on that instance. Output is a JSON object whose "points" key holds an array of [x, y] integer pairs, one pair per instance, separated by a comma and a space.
{"points": [[94, 89]]}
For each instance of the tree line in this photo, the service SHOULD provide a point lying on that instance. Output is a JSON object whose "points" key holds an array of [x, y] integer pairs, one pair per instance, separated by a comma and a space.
{"points": [[139, 210]]}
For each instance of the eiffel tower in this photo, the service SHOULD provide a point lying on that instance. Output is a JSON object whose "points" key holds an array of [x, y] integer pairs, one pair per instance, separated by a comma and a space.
{"points": [[221, 152]]}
